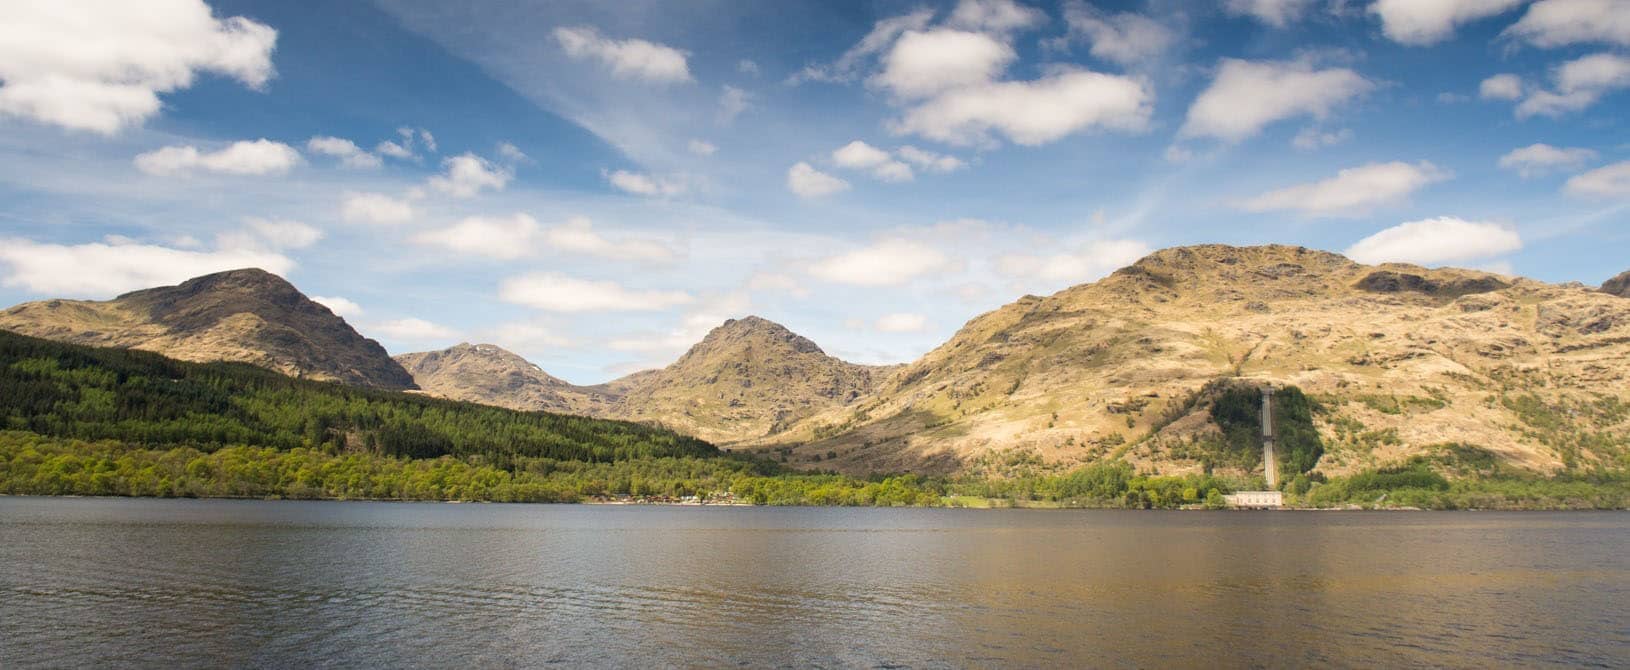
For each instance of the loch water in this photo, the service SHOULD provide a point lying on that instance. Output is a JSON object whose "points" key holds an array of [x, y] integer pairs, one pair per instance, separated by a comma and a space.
{"points": [[98, 582]]}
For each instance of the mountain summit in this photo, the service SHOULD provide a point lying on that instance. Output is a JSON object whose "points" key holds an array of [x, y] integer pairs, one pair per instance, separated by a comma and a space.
{"points": [[747, 379], [247, 315], [1619, 286], [490, 375]]}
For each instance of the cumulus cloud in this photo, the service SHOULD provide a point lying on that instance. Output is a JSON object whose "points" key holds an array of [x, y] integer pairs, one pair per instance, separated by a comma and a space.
{"points": [[1500, 87], [1310, 139], [922, 64], [1612, 181], [1579, 83], [628, 59], [556, 292], [1032, 112], [732, 102], [882, 34], [1276, 13], [578, 236], [1352, 191], [338, 305], [275, 234], [858, 155], [1424, 22], [1555, 23], [375, 208], [1127, 38], [1248, 95], [778, 282], [644, 184], [389, 148], [929, 160], [468, 174], [414, 330], [886, 263], [1445, 239], [260, 157], [101, 65], [502, 238], [808, 182], [701, 148], [995, 16], [1086, 263], [1538, 159], [349, 154], [105, 269], [901, 322]]}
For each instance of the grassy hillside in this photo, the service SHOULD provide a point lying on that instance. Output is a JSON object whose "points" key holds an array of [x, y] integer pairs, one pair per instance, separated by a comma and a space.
{"points": [[145, 399]]}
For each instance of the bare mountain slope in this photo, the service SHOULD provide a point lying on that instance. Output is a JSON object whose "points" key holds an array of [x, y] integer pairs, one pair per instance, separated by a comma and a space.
{"points": [[1619, 286], [248, 315], [487, 374], [1400, 359]]}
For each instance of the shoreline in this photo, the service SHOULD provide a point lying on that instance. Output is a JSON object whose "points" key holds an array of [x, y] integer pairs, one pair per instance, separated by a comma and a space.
{"points": [[1007, 505]]}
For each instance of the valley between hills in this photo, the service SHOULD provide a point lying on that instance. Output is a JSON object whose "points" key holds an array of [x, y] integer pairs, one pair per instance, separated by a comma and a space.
{"points": [[1394, 370]]}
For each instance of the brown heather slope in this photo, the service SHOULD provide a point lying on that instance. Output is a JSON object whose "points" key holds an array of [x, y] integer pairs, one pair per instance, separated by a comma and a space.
{"points": [[1402, 359], [249, 315], [487, 374], [1619, 286], [745, 381]]}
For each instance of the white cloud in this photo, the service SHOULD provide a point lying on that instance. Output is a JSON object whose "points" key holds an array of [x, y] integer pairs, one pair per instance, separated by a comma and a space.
{"points": [[1248, 95], [375, 208], [578, 236], [282, 233], [1612, 181], [260, 157], [732, 102], [1310, 139], [467, 174], [528, 335], [394, 150], [858, 155], [1555, 23], [1424, 22], [512, 154], [348, 152], [428, 140], [1088, 262], [882, 34], [922, 64], [101, 65], [1500, 87], [414, 330], [1352, 191], [747, 66], [778, 282], [1579, 84], [339, 306], [901, 322], [886, 263], [929, 160], [503, 238], [808, 182], [646, 185], [628, 59], [701, 148], [118, 266], [1445, 239], [1276, 13], [995, 16], [1538, 159], [559, 293], [1127, 38], [1032, 112]]}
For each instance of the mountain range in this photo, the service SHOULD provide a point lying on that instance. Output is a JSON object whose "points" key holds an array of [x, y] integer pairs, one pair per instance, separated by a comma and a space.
{"points": [[1398, 361]]}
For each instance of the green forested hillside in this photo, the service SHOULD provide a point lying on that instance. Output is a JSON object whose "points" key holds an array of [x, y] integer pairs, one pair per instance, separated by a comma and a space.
{"points": [[141, 398]]}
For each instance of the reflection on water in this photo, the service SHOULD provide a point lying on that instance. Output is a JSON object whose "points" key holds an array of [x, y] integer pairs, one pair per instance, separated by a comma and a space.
{"points": [[249, 583]]}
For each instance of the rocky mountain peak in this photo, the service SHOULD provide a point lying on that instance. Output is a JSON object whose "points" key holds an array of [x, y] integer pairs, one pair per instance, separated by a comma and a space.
{"points": [[1619, 286], [754, 330]]}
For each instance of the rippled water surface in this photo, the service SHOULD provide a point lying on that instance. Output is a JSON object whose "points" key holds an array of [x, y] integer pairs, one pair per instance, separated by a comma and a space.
{"points": [[216, 583]]}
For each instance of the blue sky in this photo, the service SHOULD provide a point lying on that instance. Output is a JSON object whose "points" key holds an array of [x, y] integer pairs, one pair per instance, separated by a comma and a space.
{"points": [[595, 185]]}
